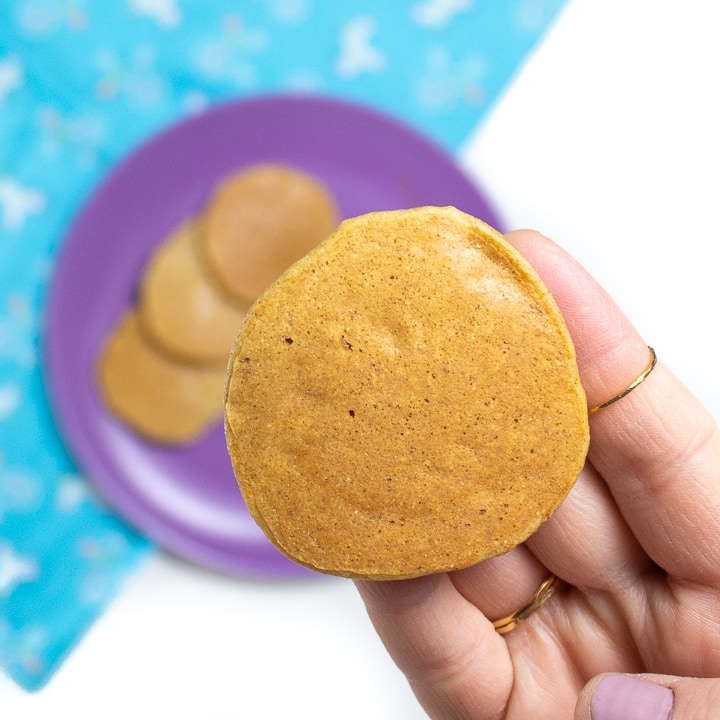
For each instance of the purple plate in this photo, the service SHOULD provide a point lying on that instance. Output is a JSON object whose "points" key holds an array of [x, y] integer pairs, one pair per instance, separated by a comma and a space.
{"points": [[186, 499]]}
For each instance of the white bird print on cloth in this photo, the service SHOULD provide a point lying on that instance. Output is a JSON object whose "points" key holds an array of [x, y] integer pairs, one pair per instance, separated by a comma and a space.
{"points": [[14, 569], [438, 13], [11, 76], [165, 12], [357, 55], [17, 202]]}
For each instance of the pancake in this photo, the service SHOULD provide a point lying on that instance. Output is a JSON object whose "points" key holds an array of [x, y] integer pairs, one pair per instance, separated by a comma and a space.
{"points": [[405, 399], [160, 399], [180, 309], [258, 222]]}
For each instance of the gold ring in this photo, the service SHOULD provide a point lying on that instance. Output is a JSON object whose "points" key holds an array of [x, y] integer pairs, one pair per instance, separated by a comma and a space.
{"points": [[542, 594], [650, 367]]}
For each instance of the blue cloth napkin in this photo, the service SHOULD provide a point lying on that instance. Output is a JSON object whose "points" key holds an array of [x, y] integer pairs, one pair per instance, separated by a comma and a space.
{"points": [[81, 84]]}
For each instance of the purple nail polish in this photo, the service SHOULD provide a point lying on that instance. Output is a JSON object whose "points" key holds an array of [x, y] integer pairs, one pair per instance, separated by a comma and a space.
{"points": [[620, 697]]}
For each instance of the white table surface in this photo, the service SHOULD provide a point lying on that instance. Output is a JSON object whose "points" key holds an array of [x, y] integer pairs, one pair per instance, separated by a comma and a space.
{"points": [[607, 141]]}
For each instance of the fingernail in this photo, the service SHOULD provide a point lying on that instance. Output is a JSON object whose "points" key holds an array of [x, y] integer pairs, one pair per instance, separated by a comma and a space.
{"points": [[620, 697]]}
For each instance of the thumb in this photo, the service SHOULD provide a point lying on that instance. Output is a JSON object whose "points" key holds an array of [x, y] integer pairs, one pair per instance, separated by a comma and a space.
{"points": [[648, 697]]}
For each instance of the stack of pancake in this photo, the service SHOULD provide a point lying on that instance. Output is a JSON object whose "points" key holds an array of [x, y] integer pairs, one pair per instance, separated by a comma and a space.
{"points": [[163, 368]]}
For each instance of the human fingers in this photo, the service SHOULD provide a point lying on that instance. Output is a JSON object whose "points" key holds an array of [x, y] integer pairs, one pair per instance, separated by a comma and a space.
{"points": [[648, 697], [449, 652], [657, 449], [500, 585], [587, 542]]}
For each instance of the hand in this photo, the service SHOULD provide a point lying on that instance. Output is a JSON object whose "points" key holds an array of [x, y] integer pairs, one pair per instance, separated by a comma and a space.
{"points": [[636, 544]]}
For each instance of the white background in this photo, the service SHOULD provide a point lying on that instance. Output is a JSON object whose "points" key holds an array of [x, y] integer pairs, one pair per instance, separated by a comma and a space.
{"points": [[607, 141]]}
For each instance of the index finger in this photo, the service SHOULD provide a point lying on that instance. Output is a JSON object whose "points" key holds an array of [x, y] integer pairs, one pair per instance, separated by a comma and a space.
{"points": [[658, 449]]}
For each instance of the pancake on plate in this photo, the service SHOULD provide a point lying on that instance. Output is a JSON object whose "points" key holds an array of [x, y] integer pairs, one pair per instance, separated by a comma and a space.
{"points": [[161, 399], [405, 399], [180, 308], [261, 220]]}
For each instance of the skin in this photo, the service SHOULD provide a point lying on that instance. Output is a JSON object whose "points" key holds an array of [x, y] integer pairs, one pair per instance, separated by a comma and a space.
{"points": [[635, 544]]}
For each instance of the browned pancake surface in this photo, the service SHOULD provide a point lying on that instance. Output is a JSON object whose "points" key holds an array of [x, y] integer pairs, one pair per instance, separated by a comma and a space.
{"points": [[163, 400], [179, 307], [405, 399], [259, 222]]}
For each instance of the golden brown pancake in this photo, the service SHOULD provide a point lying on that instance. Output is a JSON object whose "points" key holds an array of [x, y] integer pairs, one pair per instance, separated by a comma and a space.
{"points": [[405, 399], [179, 307], [260, 221], [162, 400]]}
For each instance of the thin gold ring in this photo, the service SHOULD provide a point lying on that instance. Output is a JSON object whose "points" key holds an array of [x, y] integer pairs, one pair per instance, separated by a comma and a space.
{"points": [[650, 367], [542, 594]]}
